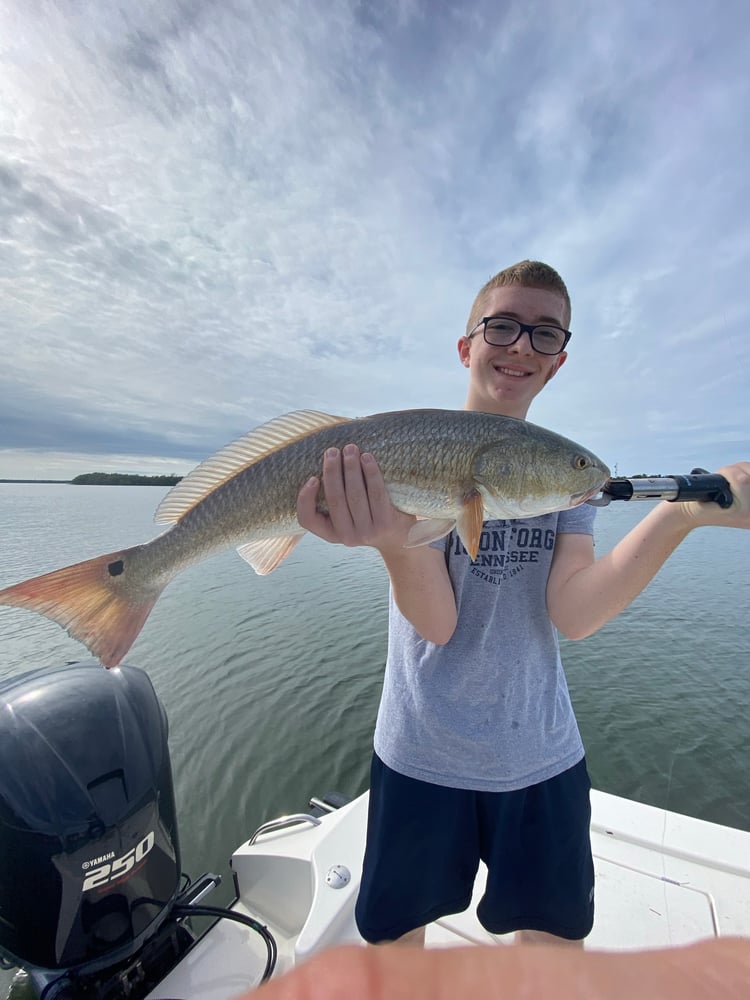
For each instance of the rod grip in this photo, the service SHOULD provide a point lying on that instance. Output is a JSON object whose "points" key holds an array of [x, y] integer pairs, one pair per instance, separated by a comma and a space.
{"points": [[702, 485]]}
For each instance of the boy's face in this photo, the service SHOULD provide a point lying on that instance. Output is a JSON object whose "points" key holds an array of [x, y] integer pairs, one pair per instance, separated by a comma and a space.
{"points": [[505, 380]]}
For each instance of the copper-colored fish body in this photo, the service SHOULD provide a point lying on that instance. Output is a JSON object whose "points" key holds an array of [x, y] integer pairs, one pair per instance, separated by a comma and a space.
{"points": [[448, 467]]}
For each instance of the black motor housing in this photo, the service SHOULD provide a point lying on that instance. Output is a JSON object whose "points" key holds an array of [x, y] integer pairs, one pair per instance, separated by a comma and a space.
{"points": [[89, 850]]}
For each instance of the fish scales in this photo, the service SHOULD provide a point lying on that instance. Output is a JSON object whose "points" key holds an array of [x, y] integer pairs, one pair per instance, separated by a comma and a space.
{"points": [[261, 499], [265, 494]]}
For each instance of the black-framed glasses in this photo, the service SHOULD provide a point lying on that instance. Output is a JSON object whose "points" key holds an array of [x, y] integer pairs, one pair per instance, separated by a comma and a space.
{"points": [[502, 331]]}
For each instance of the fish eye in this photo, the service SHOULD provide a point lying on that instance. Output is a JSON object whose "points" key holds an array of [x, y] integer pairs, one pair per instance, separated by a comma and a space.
{"points": [[581, 462]]}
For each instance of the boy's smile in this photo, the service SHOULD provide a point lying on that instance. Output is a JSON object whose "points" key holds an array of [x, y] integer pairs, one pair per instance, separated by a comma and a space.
{"points": [[505, 380]]}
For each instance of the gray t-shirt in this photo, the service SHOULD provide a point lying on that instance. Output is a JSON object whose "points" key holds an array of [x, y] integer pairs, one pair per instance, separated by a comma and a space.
{"points": [[490, 709]]}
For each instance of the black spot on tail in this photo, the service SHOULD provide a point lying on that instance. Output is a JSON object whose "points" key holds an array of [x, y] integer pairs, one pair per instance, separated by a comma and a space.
{"points": [[116, 568]]}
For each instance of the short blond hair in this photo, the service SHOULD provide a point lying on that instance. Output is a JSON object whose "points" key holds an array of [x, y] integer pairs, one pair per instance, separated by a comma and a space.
{"points": [[530, 274]]}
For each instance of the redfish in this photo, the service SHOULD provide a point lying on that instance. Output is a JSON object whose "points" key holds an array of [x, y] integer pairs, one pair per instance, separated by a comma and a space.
{"points": [[451, 468]]}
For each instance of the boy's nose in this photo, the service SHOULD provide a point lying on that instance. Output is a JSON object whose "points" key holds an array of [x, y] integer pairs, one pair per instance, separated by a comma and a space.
{"points": [[523, 344]]}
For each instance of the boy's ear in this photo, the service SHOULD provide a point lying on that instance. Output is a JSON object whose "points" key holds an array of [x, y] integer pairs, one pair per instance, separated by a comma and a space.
{"points": [[559, 362], [464, 350]]}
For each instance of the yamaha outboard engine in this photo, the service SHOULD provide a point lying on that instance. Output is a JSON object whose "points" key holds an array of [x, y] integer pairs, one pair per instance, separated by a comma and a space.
{"points": [[89, 852]]}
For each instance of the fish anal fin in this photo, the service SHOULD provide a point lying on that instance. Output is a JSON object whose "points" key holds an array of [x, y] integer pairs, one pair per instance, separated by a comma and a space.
{"points": [[429, 530], [265, 555], [91, 603], [240, 454], [469, 522]]}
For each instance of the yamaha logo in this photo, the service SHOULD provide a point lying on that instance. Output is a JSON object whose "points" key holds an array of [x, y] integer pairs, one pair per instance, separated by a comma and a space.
{"points": [[97, 861]]}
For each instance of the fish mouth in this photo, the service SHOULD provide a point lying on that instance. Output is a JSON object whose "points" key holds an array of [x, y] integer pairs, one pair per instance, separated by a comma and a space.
{"points": [[584, 495]]}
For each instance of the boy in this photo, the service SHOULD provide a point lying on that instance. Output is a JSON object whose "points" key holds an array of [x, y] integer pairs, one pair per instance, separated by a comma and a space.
{"points": [[477, 751]]}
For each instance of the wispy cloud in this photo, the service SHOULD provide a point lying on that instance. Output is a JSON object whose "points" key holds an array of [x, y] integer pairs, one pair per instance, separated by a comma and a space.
{"points": [[210, 215]]}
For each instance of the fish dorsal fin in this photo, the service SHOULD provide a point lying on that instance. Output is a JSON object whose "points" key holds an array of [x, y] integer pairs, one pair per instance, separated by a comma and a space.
{"points": [[238, 455]]}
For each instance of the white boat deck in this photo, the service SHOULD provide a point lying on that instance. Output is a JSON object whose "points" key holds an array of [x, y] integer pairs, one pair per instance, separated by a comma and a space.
{"points": [[661, 879]]}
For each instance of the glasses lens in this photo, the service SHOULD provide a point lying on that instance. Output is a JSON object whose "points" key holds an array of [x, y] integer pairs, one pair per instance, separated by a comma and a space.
{"points": [[501, 332], [548, 339]]}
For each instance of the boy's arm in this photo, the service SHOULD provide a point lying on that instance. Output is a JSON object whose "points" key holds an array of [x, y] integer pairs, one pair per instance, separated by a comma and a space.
{"points": [[583, 594], [360, 513]]}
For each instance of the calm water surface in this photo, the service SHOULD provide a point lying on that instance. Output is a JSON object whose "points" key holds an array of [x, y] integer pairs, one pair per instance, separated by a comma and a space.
{"points": [[271, 684]]}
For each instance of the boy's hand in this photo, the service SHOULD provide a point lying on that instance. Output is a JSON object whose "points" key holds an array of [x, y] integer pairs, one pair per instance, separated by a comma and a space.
{"points": [[359, 509], [699, 514]]}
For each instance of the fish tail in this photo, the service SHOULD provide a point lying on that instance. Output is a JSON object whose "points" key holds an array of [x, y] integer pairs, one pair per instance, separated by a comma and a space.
{"points": [[95, 602]]}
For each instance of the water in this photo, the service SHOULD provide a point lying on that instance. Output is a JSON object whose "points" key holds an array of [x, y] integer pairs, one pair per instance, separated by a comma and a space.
{"points": [[271, 684]]}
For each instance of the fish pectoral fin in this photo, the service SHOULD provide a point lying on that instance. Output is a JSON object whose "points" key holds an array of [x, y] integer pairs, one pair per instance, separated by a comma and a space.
{"points": [[469, 522], [265, 555], [429, 530]]}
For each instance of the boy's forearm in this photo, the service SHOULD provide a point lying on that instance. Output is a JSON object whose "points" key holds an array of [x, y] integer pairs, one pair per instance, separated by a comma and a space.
{"points": [[592, 595], [422, 590], [582, 595]]}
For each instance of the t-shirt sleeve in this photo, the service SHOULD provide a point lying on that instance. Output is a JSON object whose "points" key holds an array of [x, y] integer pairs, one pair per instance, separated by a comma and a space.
{"points": [[577, 520]]}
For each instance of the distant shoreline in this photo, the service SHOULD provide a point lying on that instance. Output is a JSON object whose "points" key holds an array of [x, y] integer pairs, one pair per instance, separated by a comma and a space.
{"points": [[105, 479]]}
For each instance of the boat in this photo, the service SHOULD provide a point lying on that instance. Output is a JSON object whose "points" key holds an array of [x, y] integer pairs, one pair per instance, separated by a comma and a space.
{"points": [[93, 902]]}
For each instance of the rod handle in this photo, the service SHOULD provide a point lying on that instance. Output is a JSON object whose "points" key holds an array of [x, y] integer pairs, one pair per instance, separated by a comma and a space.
{"points": [[703, 485]]}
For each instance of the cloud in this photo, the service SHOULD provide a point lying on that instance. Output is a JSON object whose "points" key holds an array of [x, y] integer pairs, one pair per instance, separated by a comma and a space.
{"points": [[211, 215]]}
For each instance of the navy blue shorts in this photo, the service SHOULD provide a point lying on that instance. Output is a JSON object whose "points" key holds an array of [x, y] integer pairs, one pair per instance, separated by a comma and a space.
{"points": [[425, 842]]}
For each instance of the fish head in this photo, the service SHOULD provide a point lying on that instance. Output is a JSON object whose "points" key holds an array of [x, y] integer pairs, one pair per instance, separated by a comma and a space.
{"points": [[536, 473]]}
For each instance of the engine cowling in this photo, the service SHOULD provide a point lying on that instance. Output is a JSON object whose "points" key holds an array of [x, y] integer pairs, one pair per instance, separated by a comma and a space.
{"points": [[89, 848]]}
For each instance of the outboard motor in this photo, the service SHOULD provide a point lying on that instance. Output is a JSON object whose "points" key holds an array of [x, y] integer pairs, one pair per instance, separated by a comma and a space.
{"points": [[89, 851]]}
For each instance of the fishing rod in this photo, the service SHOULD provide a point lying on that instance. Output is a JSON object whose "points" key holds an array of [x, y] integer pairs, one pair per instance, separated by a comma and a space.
{"points": [[699, 485]]}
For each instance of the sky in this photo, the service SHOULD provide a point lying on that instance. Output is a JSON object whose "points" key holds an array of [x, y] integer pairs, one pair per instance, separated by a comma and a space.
{"points": [[215, 213]]}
